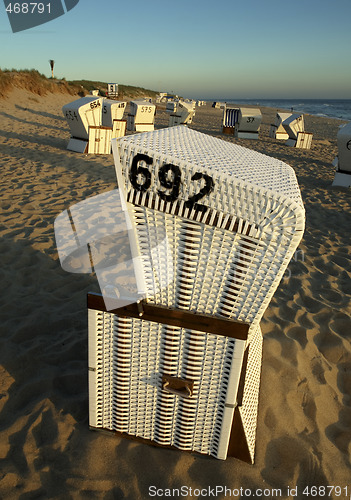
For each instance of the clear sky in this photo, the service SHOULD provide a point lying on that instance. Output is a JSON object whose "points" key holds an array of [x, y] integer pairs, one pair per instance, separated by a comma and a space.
{"points": [[203, 49]]}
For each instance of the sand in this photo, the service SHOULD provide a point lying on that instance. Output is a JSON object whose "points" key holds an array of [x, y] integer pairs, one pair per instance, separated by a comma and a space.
{"points": [[46, 447]]}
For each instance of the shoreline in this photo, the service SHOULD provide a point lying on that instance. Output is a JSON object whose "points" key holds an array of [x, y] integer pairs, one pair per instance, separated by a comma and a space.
{"points": [[303, 106], [46, 448]]}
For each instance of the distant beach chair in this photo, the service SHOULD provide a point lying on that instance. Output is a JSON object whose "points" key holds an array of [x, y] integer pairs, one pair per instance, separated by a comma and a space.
{"points": [[171, 106], [343, 161], [112, 110], [93, 123], [193, 102], [295, 128], [230, 119], [249, 122], [112, 116], [142, 116], [184, 114], [80, 115], [277, 130]]}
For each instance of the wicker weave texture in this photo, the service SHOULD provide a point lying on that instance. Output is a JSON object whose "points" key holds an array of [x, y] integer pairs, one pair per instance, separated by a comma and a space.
{"points": [[130, 356], [228, 257], [208, 269], [127, 359], [230, 164], [249, 408]]}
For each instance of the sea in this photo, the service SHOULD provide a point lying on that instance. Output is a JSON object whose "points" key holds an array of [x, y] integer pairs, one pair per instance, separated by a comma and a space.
{"points": [[331, 108]]}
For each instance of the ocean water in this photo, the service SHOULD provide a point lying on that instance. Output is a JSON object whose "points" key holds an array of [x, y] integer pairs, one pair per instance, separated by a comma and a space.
{"points": [[331, 108]]}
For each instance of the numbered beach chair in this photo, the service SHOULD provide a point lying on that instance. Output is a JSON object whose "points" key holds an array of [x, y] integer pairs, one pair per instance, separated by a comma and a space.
{"points": [[277, 130], [230, 119], [249, 123], [343, 161], [80, 115], [112, 110], [295, 128], [141, 117], [112, 116], [181, 367]]}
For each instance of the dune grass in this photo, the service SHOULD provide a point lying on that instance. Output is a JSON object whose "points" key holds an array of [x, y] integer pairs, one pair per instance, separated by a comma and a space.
{"points": [[123, 90], [39, 84]]}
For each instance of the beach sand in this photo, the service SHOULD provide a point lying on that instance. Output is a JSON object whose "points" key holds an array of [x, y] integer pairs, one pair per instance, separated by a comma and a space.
{"points": [[46, 447]]}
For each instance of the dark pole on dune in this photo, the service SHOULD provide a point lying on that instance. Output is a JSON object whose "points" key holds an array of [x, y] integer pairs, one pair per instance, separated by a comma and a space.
{"points": [[52, 62]]}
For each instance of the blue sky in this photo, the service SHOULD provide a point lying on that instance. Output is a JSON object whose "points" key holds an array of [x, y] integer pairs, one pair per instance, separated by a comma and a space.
{"points": [[204, 49]]}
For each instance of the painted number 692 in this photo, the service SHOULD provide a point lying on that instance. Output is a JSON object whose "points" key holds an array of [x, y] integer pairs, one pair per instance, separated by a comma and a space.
{"points": [[169, 179]]}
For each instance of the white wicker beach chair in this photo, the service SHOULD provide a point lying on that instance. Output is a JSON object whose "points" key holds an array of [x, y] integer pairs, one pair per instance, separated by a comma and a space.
{"points": [[249, 123], [295, 128], [184, 114], [141, 117], [112, 117], [167, 370], [80, 115], [230, 119], [218, 105], [181, 367], [277, 130], [112, 110], [343, 161]]}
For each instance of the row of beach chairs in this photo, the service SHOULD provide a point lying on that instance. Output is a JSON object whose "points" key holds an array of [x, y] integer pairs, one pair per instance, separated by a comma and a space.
{"points": [[94, 121], [291, 127], [244, 123]]}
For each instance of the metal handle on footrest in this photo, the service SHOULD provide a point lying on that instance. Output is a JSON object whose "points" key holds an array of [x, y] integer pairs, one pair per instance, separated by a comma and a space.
{"points": [[180, 386]]}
